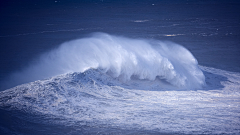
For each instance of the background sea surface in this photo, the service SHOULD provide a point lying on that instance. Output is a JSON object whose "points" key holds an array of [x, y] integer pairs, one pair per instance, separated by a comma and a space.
{"points": [[209, 29]]}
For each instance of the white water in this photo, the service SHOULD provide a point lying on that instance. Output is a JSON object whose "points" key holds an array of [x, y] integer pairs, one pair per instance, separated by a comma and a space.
{"points": [[97, 102], [120, 57]]}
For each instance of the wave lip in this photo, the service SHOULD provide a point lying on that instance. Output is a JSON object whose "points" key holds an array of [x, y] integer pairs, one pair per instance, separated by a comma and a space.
{"points": [[120, 57]]}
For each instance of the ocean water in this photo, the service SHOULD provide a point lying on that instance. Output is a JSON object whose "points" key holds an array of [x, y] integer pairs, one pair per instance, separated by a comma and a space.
{"points": [[120, 67]]}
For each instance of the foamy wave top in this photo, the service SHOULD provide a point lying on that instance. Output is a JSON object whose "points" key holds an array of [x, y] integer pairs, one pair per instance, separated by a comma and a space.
{"points": [[120, 57]]}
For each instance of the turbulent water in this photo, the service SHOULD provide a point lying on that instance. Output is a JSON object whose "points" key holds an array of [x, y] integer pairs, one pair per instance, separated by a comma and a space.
{"points": [[119, 67], [93, 102]]}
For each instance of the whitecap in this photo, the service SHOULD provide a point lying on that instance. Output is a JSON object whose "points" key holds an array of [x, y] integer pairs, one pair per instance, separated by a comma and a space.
{"points": [[120, 57]]}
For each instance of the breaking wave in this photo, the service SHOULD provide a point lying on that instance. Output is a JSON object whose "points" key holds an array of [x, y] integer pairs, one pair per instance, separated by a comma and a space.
{"points": [[120, 57]]}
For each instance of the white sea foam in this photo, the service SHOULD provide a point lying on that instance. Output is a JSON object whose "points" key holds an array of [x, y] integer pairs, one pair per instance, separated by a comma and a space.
{"points": [[122, 58], [98, 102], [140, 21]]}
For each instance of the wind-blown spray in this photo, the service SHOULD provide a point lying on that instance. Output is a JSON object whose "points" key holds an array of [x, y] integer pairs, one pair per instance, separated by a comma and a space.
{"points": [[119, 57]]}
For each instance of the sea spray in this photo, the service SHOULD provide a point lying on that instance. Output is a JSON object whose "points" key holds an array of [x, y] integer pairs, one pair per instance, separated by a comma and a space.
{"points": [[120, 57]]}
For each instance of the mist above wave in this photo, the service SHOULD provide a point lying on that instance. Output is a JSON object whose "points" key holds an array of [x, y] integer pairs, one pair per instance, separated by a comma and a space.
{"points": [[120, 57]]}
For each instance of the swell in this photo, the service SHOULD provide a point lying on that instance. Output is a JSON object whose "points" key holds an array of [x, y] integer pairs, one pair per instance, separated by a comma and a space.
{"points": [[120, 57]]}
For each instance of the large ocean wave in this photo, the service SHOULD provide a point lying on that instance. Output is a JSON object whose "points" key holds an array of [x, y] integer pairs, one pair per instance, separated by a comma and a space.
{"points": [[120, 57], [117, 85]]}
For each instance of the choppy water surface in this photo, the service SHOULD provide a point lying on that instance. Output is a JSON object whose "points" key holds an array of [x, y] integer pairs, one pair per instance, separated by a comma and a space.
{"points": [[93, 102]]}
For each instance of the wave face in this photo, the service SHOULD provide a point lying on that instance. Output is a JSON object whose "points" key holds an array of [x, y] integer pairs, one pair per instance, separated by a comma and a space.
{"points": [[122, 58]]}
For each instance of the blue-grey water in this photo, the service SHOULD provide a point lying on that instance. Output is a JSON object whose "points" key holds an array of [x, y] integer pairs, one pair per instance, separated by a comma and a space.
{"points": [[209, 29]]}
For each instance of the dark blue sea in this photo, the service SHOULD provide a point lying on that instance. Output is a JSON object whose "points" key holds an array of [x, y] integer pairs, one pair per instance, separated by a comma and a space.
{"points": [[119, 67]]}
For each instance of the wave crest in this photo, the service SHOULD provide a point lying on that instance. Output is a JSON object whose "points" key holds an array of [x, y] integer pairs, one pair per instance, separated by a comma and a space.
{"points": [[122, 58]]}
